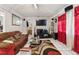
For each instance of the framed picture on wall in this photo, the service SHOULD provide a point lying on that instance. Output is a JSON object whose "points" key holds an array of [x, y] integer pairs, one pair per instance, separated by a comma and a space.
{"points": [[16, 20]]}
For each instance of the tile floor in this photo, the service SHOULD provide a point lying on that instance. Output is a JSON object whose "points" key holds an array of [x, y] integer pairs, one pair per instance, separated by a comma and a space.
{"points": [[61, 47]]}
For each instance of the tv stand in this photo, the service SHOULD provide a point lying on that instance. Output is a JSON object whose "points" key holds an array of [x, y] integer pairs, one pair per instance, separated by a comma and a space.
{"points": [[43, 33]]}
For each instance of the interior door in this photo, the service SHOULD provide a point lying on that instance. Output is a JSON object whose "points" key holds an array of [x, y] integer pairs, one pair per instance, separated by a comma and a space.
{"points": [[62, 28], [76, 38]]}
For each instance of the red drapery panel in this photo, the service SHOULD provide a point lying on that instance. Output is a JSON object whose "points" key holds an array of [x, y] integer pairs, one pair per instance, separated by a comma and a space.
{"points": [[62, 28], [76, 38]]}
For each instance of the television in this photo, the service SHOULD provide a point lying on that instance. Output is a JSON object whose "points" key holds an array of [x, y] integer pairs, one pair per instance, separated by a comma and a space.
{"points": [[41, 23]]}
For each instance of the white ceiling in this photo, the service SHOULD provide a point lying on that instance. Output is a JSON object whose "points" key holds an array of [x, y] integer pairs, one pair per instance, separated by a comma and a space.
{"points": [[30, 10]]}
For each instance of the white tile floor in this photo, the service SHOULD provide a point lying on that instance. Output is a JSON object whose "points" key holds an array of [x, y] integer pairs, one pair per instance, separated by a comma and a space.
{"points": [[23, 52], [60, 46]]}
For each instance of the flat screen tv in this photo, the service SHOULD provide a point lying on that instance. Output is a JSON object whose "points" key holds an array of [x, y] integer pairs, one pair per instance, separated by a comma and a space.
{"points": [[41, 23]]}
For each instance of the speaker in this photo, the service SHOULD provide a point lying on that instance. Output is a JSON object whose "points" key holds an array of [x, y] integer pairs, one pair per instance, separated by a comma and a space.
{"points": [[23, 19], [52, 18], [68, 8], [55, 20]]}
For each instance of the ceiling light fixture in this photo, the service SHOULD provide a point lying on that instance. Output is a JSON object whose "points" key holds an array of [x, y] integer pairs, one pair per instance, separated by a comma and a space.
{"points": [[36, 6]]}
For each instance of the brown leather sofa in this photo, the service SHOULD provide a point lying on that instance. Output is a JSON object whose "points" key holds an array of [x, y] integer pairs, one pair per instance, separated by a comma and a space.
{"points": [[17, 45]]}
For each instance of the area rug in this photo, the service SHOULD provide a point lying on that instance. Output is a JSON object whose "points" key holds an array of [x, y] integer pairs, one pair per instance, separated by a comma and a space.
{"points": [[45, 48]]}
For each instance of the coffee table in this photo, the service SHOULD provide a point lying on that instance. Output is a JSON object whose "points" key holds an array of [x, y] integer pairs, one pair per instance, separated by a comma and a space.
{"points": [[34, 43]]}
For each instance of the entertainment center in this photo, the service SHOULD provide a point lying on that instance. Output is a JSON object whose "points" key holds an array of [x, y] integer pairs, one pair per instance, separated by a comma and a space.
{"points": [[42, 30]]}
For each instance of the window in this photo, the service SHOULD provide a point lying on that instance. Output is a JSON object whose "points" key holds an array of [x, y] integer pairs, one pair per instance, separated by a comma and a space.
{"points": [[1, 23], [16, 20], [1, 20]]}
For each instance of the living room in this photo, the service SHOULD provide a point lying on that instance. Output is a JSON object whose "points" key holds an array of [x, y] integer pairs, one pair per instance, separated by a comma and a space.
{"points": [[13, 17], [37, 29]]}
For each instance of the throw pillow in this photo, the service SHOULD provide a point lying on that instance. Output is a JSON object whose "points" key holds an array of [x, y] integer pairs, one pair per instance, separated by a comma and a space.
{"points": [[13, 39], [4, 35], [8, 41], [17, 36]]}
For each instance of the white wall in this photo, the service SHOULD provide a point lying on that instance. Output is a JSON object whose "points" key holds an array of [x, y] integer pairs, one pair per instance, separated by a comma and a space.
{"points": [[56, 16], [55, 25], [24, 27], [7, 22]]}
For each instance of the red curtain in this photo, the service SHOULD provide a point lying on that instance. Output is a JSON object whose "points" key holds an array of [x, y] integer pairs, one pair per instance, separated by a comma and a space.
{"points": [[62, 28], [76, 38]]}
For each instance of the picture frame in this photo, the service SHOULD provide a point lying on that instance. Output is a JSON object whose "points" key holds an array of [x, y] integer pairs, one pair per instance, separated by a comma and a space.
{"points": [[16, 20]]}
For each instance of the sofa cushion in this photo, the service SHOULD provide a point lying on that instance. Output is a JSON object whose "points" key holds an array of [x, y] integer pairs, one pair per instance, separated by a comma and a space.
{"points": [[11, 38], [4, 35], [8, 41], [11, 34], [17, 36], [4, 45], [1, 38]]}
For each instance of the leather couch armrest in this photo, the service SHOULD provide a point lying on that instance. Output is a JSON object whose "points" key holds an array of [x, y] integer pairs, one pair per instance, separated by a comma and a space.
{"points": [[11, 49], [7, 49], [4, 45]]}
